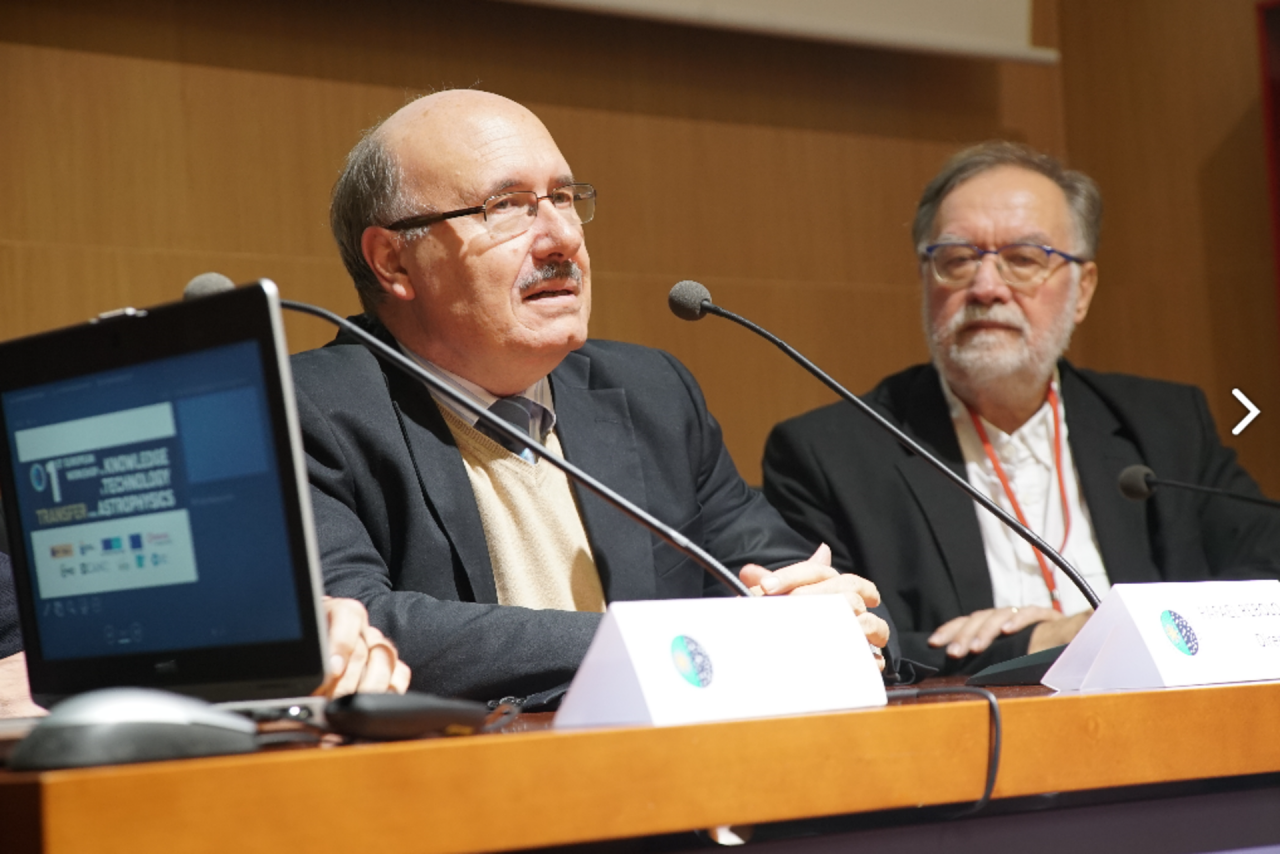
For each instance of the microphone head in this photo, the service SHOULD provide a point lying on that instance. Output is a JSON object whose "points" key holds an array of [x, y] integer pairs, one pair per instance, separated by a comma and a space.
{"points": [[1134, 483], [686, 300], [207, 284]]}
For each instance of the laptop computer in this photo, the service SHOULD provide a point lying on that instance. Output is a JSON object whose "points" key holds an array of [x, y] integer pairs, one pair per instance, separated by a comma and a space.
{"points": [[157, 504]]}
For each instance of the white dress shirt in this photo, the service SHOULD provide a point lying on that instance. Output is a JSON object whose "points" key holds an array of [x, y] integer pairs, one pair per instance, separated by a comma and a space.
{"points": [[1027, 458]]}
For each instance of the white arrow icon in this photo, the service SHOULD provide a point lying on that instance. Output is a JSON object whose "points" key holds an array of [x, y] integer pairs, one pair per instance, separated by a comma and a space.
{"points": [[1248, 419]]}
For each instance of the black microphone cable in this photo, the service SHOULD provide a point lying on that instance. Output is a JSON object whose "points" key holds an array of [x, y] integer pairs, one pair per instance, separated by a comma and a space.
{"points": [[995, 740]]}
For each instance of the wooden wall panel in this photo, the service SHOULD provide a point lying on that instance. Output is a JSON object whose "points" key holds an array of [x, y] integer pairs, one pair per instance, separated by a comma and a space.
{"points": [[1162, 104], [149, 141]]}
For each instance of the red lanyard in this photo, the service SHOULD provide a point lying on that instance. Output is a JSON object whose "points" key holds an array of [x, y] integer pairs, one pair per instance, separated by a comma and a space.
{"points": [[1045, 571]]}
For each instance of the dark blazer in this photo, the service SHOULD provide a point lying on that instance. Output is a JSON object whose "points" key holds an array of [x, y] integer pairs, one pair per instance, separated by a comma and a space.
{"points": [[10, 627], [839, 478], [399, 530]]}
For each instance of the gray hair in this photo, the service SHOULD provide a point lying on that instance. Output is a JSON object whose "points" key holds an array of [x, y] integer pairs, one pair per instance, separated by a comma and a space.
{"points": [[368, 192], [1083, 197]]}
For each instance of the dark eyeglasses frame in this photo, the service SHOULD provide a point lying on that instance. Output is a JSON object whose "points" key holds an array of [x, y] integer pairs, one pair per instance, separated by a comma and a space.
{"points": [[424, 220]]}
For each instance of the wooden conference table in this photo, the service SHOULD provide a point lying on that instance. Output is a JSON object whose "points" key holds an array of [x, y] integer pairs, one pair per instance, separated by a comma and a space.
{"points": [[531, 786]]}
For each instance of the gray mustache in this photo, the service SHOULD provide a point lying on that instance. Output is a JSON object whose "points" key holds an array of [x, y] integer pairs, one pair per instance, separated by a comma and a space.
{"points": [[547, 272]]}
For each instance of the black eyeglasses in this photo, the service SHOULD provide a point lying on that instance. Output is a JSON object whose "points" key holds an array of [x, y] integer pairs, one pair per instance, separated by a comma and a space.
{"points": [[509, 214]]}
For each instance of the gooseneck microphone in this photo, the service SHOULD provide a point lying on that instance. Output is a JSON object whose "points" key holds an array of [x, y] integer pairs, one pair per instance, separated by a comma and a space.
{"points": [[689, 300], [213, 283], [1138, 483]]}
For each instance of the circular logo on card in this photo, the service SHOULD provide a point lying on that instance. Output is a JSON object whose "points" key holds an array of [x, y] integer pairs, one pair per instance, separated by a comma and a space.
{"points": [[38, 479], [1179, 632], [691, 661]]}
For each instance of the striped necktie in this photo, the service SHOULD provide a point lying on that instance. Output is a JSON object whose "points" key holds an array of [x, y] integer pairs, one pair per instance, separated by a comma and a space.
{"points": [[516, 411]]}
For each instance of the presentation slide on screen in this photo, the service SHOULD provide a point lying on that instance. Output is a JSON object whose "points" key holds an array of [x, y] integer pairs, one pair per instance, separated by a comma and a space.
{"points": [[112, 471], [152, 506]]}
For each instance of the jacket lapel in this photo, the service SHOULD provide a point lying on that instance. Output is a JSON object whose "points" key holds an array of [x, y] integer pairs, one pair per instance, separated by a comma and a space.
{"points": [[951, 514], [595, 431], [450, 498], [1101, 450]]}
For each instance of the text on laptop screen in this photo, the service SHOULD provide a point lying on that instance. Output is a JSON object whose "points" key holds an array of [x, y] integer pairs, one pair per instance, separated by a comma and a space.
{"points": [[152, 505]]}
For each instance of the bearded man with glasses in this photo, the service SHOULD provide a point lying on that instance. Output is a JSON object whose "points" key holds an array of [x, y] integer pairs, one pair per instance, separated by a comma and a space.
{"points": [[1005, 238], [462, 226]]}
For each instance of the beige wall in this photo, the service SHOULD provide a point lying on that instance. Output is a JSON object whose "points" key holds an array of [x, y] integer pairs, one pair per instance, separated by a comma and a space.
{"points": [[1163, 107], [143, 143]]}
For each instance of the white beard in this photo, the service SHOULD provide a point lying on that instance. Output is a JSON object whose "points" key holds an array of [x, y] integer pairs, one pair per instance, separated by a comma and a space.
{"points": [[989, 356]]}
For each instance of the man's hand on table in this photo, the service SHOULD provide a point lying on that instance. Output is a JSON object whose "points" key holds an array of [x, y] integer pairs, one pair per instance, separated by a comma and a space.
{"points": [[361, 658], [814, 577], [1057, 632], [970, 635]]}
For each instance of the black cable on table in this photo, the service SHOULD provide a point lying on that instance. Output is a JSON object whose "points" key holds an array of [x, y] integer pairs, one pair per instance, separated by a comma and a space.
{"points": [[993, 755]]}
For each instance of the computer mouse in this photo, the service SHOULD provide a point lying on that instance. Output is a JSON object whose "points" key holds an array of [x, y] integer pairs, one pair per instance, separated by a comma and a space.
{"points": [[122, 725]]}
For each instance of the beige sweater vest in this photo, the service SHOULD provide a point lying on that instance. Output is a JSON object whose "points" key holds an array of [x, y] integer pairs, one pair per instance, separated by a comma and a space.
{"points": [[537, 545]]}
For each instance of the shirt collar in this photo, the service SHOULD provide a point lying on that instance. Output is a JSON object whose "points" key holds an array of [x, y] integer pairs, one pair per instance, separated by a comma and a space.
{"points": [[539, 393], [1033, 439]]}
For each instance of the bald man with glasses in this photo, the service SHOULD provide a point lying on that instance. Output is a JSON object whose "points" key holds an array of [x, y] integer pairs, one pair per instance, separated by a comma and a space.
{"points": [[463, 228], [1005, 238]]}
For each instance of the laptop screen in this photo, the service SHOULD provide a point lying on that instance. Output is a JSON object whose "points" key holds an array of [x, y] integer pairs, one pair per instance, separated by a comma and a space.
{"points": [[132, 480], [155, 513]]}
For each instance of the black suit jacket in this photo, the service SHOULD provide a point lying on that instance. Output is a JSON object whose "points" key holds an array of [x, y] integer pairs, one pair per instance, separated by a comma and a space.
{"points": [[839, 478], [10, 627], [399, 529]]}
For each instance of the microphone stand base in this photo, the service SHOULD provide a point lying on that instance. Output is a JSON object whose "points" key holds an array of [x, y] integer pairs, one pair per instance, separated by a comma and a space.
{"points": [[1023, 670]]}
